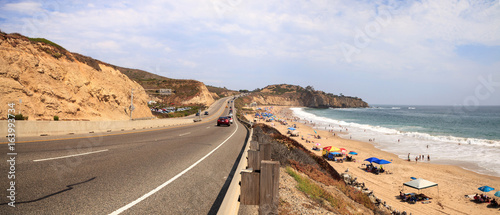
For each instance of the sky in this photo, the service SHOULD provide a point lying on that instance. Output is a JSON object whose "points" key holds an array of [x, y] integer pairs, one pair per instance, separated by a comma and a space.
{"points": [[385, 52]]}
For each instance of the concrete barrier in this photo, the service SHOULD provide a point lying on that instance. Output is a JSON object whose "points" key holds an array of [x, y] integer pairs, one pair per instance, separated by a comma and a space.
{"points": [[55, 128], [50, 128]]}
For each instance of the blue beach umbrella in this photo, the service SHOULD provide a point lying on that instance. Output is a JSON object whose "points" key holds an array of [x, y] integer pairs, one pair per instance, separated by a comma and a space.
{"points": [[413, 178], [382, 161], [353, 153], [486, 188], [292, 129], [335, 153], [372, 159], [497, 194]]}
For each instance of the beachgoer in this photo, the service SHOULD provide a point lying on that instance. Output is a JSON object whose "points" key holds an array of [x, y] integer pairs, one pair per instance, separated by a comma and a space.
{"points": [[428, 158], [399, 140], [408, 156], [416, 159]]}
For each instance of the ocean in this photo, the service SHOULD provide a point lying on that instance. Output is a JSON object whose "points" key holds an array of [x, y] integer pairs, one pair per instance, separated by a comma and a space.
{"points": [[468, 137]]}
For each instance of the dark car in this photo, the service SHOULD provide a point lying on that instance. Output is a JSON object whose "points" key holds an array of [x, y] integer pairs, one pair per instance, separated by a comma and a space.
{"points": [[206, 112], [223, 121], [197, 113]]}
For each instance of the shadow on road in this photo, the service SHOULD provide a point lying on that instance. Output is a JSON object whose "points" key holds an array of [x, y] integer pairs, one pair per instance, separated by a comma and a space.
{"points": [[69, 187]]}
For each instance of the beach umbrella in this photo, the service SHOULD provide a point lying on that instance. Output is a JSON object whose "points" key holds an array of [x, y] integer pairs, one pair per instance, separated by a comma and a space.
{"points": [[497, 194], [382, 161], [334, 149], [343, 150], [372, 159], [292, 129], [335, 153], [413, 178], [353, 153], [327, 148], [486, 188]]}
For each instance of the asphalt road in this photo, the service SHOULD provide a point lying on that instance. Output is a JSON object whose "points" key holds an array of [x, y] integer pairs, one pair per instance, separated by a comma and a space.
{"points": [[179, 170]]}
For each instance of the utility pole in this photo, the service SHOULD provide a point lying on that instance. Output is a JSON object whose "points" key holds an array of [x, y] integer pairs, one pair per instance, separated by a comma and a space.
{"points": [[131, 103]]}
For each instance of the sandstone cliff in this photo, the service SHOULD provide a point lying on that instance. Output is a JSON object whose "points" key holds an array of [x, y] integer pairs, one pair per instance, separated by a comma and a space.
{"points": [[291, 95], [45, 80]]}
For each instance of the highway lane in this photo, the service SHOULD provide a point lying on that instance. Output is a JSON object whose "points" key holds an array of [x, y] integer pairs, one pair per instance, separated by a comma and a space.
{"points": [[123, 169]]}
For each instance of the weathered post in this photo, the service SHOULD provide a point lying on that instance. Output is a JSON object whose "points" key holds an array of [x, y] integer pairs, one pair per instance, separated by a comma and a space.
{"points": [[254, 160], [269, 187], [254, 145], [265, 150], [250, 182]]}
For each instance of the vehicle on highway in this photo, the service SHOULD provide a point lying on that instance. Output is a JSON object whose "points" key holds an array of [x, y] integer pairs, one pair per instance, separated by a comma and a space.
{"points": [[197, 113], [230, 119], [223, 120], [206, 112]]}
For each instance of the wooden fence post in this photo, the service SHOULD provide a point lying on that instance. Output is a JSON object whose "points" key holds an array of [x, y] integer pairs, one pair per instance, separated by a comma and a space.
{"points": [[265, 149], [250, 182], [269, 187], [254, 145], [254, 160]]}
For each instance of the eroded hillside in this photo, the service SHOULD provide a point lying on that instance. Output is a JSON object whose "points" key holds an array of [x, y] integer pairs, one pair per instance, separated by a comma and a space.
{"points": [[45, 80]]}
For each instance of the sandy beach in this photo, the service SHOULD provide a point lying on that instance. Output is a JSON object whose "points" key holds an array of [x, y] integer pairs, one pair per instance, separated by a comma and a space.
{"points": [[447, 198]]}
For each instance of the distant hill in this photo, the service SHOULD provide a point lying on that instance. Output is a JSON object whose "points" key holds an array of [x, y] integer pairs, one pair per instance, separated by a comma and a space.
{"points": [[292, 95], [185, 92], [222, 92]]}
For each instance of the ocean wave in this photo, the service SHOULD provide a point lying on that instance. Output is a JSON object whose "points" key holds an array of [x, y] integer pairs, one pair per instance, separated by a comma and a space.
{"points": [[390, 131]]}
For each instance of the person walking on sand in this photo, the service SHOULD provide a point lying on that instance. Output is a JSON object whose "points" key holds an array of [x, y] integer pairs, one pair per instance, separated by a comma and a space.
{"points": [[408, 156], [428, 157], [416, 159]]}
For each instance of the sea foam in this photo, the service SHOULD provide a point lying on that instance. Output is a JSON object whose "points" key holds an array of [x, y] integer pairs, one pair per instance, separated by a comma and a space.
{"points": [[467, 152]]}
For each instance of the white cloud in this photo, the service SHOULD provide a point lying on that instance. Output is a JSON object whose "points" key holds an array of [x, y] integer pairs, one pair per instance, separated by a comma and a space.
{"points": [[418, 39], [28, 7]]}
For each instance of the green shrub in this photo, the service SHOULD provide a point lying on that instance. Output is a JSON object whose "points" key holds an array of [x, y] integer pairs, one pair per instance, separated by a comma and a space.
{"points": [[56, 118], [20, 117], [48, 42]]}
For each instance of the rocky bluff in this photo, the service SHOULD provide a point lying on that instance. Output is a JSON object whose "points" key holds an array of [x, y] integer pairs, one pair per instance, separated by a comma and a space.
{"points": [[292, 95], [46, 80]]}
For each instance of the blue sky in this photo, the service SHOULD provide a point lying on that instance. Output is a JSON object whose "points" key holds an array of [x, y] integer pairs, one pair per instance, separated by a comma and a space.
{"points": [[386, 52]]}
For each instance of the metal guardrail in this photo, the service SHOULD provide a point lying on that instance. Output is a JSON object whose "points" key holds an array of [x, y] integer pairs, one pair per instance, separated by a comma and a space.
{"points": [[230, 204]]}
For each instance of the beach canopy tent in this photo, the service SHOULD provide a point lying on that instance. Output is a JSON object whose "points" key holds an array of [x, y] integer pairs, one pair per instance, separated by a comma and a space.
{"points": [[486, 188], [372, 159], [382, 161], [497, 194], [420, 184]]}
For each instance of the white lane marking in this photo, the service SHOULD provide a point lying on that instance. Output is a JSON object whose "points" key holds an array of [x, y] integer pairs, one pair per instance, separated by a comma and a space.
{"points": [[67, 156], [180, 135], [131, 204], [208, 127]]}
